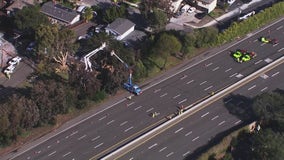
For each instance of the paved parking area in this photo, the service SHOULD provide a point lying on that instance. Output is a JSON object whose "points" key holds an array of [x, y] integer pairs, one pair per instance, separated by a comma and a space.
{"points": [[22, 71]]}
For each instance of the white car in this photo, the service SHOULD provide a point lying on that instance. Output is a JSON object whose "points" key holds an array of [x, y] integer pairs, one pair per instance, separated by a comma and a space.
{"points": [[246, 16], [191, 10], [15, 61], [184, 8], [230, 2], [9, 69]]}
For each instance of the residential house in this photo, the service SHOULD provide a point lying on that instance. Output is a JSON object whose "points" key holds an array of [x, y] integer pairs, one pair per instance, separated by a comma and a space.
{"points": [[60, 14], [120, 28], [206, 5], [18, 5]]}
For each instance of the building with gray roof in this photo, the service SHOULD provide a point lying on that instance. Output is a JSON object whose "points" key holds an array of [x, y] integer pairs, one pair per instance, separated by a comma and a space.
{"points": [[120, 28], [60, 14]]}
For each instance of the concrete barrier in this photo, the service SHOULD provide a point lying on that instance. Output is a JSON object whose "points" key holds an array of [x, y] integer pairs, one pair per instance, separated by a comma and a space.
{"points": [[144, 138]]}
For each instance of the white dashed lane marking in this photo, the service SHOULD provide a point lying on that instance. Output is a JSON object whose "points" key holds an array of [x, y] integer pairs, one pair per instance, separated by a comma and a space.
{"points": [[150, 147], [110, 122], [182, 101], [66, 154], [194, 139], [149, 109], [98, 145], [208, 88], [237, 122], [157, 90], [186, 153], [50, 154], [280, 49], [203, 83], [95, 138], [170, 154], [258, 61], [229, 100], [179, 130], [275, 74], [189, 81], [215, 69], [228, 70], [82, 137], [123, 123], [137, 108], [251, 87], [233, 75], [102, 118], [128, 129], [279, 27], [263, 89], [221, 123], [204, 114], [163, 95], [183, 77], [188, 133], [214, 118], [207, 65], [130, 104], [176, 96], [161, 150]]}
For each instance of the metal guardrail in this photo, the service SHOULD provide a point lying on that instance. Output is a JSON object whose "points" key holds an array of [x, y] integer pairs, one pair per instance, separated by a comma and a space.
{"points": [[192, 109]]}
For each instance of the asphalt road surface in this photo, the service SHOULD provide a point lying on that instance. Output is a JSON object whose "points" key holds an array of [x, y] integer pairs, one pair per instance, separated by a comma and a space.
{"points": [[183, 139], [106, 130]]}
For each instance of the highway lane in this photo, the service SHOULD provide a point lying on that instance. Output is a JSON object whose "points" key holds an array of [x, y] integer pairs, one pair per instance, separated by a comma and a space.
{"points": [[181, 140], [130, 118]]}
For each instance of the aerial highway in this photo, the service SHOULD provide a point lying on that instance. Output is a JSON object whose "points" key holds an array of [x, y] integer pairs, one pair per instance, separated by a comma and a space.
{"points": [[124, 120], [185, 138]]}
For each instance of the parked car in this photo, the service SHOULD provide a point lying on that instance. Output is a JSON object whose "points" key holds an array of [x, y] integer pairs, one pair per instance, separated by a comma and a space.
{"points": [[184, 8], [246, 16], [15, 61], [191, 10], [230, 2], [31, 46]]}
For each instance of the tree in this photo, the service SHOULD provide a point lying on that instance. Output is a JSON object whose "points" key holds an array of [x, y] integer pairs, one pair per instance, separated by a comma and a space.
{"points": [[46, 37], [206, 37], [158, 19], [29, 19], [268, 108], [50, 97], [147, 6], [267, 145], [86, 84], [88, 15], [62, 60], [52, 41], [114, 12], [188, 43], [165, 46]]}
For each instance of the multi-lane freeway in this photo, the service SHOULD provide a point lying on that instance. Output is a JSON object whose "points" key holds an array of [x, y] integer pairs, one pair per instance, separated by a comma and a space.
{"points": [[185, 138], [110, 128]]}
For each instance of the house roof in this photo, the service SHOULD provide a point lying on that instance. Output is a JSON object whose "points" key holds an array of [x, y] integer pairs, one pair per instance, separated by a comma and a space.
{"points": [[121, 25], [58, 12], [19, 4]]}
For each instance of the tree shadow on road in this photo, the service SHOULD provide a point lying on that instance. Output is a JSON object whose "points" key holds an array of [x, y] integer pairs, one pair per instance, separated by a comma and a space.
{"points": [[237, 105]]}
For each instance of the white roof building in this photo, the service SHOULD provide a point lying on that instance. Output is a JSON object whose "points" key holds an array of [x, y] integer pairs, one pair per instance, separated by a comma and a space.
{"points": [[120, 28]]}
